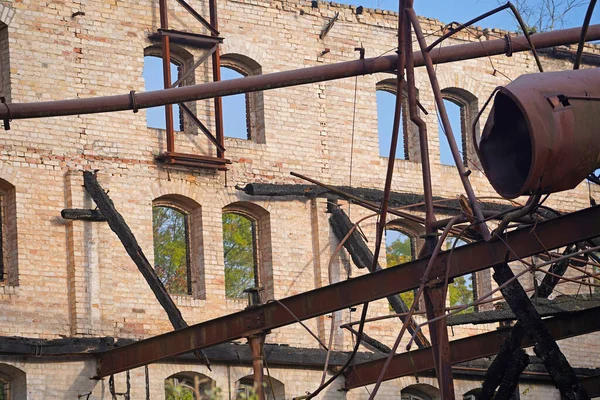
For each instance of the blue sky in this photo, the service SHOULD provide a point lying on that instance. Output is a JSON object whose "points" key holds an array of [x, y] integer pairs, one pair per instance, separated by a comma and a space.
{"points": [[234, 120]]}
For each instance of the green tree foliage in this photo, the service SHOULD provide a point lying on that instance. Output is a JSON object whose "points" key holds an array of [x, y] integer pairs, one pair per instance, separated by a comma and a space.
{"points": [[460, 292], [239, 254], [398, 251], [170, 249], [175, 391]]}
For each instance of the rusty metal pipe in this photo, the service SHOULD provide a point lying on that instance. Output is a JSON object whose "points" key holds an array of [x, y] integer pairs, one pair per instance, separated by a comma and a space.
{"points": [[542, 134], [437, 93], [285, 79]]}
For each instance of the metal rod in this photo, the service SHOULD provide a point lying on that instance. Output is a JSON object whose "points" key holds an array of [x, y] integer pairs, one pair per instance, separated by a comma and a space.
{"points": [[166, 56], [216, 67], [286, 78], [364, 203], [199, 17], [401, 62], [469, 348], [196, 65], [464, 176], [464, 25], [584, 29], [200, 125]]}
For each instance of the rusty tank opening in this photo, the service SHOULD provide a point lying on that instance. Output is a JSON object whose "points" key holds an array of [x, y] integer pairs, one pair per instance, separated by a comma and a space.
{"points": [[506, 148]]}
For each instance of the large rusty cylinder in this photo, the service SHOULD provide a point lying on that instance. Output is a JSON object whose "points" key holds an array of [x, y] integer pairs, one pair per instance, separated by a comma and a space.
{"points": [[542, 134]]}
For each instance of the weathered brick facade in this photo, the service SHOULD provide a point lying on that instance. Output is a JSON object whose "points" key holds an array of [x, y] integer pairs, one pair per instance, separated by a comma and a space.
{"points": [[73, 278]]}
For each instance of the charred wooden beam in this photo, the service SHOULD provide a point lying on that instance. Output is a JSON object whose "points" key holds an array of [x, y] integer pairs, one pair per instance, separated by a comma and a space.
{"points": [[363, 258], [397, 199], [370, 342], [511, 376], [545, 346], [119, 226], [503, 361], [82, 215], [549, 282]]}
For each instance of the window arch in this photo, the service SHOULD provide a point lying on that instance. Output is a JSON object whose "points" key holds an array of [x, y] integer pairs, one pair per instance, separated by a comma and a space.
{"points": [[243, 114], [245, 386], [247, 249], [463, 290], [189, 385], [177, 235], [6, 15], [13, 383], [420, 391], [401, 246], [408, 135], [9, 273], [181, 60], [462, 108], [4, 63]]}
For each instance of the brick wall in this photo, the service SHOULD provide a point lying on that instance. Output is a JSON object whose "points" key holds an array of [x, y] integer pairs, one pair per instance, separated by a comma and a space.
{"points": [[75, 279]]}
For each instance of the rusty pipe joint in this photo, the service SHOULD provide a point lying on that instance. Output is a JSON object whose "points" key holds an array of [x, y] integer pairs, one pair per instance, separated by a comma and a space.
{"points": [[542, 133]]}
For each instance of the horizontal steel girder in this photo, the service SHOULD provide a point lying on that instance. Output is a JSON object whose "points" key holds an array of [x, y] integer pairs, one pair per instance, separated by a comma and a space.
{"points": [[558, 232], [470, 348], [295, 77]]}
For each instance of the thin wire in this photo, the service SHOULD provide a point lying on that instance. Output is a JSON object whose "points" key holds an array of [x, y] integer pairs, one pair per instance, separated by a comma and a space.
{"points": [[268, 373], [350, 359], [299, 321]]}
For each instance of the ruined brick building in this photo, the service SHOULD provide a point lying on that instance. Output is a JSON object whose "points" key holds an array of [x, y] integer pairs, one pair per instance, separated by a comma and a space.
{"points": [[68, 287]]}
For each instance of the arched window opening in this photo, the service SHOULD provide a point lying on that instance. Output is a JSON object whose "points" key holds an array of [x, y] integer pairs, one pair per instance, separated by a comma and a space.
{"points": [[235, 109], [4, 62], [240, 254], [247, 250], [13, 383], [400, 248], [8, 235], [453, 109], [154, 80], [420, 391], [178, 255], [189, 386], [245, 388], [386, 103], [463, 289], [170, 228], [462, 108], [243, 114]]}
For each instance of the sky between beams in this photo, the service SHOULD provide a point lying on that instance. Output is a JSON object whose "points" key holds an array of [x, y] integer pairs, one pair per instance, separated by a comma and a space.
{"points": [[463, 10]]}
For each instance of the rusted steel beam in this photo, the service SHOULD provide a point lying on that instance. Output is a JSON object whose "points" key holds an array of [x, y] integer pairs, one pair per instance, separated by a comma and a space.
{"points": [[470, 348], [166, 63], [574, 227], [286, 78], [216, 70], [199, 17]]}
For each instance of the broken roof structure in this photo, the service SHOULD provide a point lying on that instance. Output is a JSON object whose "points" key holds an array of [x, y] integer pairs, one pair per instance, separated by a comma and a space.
{"points": [[87, 191]]}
